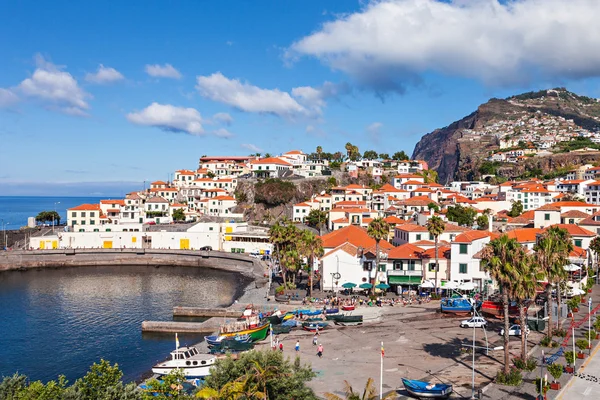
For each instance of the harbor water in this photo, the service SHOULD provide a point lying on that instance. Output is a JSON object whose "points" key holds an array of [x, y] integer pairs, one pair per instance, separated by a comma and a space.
{"points": [[60, 321]]}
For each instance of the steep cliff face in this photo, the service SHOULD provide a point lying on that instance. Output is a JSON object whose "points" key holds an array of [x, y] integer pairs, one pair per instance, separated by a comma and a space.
{"points": [[457, 151]]}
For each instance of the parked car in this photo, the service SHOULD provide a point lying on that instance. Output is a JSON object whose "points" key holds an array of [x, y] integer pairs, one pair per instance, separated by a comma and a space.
{"points": [[151, 223], [206, 248], [514, 330], [475, 322]]}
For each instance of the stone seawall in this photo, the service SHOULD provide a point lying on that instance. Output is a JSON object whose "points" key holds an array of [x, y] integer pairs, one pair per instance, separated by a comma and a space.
{"points": [[23, 260]]}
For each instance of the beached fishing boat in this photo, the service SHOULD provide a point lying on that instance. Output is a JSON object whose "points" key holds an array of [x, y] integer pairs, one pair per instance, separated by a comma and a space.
{"points": [[456, 306], [251, 326], [349, 320], [307, 312], [332, 311], [231, 345], [334, 317], [277, 329], [314, 326], [426, 389], [348, 308], [496, 309], [213, 340]]}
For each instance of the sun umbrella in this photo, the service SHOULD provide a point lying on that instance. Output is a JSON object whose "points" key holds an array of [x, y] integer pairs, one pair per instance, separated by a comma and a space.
{"points": [[382, 286], [365, 286], [572, 267], [427, 285], [349, 285], [466, 286], [450, 285]]}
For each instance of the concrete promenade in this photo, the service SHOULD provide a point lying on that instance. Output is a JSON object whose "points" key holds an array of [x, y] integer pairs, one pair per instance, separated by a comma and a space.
{"points": [[586, 385]]}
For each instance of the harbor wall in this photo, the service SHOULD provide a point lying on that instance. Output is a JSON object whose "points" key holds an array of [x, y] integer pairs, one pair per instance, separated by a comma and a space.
{"points": [[24, 260]]}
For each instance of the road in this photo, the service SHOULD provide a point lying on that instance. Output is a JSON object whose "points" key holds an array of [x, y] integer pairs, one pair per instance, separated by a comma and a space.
{"points": [[588, 385]]}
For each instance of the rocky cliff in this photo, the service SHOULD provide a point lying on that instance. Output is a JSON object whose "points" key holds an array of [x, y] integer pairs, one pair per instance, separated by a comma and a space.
{"points": [[457, 151]]}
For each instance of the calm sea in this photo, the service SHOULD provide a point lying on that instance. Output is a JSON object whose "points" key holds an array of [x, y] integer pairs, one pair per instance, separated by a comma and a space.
{"points": [[60, 321], [16, 209]]}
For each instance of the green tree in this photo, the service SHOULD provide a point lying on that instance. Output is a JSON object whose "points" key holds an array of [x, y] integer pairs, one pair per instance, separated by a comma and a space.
{"points": [[483, 222], [400, 156], [179, 214], [285, 236], [267, 155], [48, 216], [319, 152], [317, 218], [168, 387], [435, 227], [368, 393], [331, 182], [552, 253], [103, 382], [516, 209], [433, 206], [378, 229], [384, 156], [370, 155], [461, 215], [312, 247], [500, 257], [525, 290], [429, 176], [274, 375], [210, 175]]}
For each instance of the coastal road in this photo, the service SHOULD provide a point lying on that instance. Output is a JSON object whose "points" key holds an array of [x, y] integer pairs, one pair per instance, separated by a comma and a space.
{"points": [[586, 385]]}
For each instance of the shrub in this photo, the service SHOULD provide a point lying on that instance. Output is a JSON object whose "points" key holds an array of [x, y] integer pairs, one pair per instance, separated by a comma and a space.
{"points": [[597, 325], [570, 357], [560, 333], [531, 364], [273, 192], [519, 363], [554, 344], [525, 365], [546, 341], [582, 344], [555, 370], [573, 303], [279, 290], [541, 385], [513, 378]]}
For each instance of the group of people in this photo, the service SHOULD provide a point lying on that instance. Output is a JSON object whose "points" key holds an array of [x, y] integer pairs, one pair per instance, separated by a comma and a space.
{"points": [[277, 345]]}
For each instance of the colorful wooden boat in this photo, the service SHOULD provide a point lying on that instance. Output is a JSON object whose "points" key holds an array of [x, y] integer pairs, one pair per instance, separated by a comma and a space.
{"points": [[349, 320], [213, 340], [256, 332], [332, 311], [334, 317], [456, 306], [496, 309], [348, 308], [314, 326], [307, 312], [428, 390]]}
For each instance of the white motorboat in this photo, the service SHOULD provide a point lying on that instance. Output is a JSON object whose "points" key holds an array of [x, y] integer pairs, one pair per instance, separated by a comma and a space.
{"points": [[193, 363]]}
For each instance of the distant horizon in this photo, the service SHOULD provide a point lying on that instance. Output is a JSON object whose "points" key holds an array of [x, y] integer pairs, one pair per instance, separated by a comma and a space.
{"points": [[69, 189]]}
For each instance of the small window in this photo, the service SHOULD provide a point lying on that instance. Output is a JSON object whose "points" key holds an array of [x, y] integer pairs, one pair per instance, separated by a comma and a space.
{"points": [[431, 267], [419, 236], [210, 228], [463, 248], [462, 268], [74, 214], [546, 217], [83, 214], [578, 242]]}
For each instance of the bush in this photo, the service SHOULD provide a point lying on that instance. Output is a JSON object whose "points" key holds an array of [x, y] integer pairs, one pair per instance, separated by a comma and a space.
{"points": [[582, 344], [273, 192], [525, 365], [513, 378], [519, 363], [560, 333], [546, 341], [531, 364], [541, 385], [570, 357], [573, 303], [554, 344], [555, 370]]}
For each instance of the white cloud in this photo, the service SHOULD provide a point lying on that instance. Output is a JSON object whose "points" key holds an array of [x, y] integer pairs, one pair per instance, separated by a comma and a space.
{"points": [[222, 133], [104, 75], [310, 128], [7, 98], [251, 147], [223, 118], [249, 98], [55, 88], [315, 98], [391, 43], [169, 118], [163, 71]]}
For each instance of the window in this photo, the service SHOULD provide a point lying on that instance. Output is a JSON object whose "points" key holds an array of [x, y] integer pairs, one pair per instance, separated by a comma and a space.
{"points": [[210, 228], [411, 265], [546, 217], [431, 237], [571, 221], [398, 265], [367, 265], [75, 223], [83, 214], [381, 268], [83, 222], [74, 214], [92, 222], [462, 268], [431, 267], [419, 236], [92, 214], [463, 248], [578, 242]]}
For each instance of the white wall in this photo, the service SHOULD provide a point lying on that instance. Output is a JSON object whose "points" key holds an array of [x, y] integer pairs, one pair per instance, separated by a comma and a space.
{"points": [[349, 267]]}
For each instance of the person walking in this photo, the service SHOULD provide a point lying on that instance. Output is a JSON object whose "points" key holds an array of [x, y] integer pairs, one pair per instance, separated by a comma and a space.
{"points": [[281, 346], [320, 350], [315, 339], [297, 346]]}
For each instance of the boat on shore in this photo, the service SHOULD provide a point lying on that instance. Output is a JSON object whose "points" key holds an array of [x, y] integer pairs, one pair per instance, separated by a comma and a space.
{"points": [[190, 360], [314, 326], [332, 310], [278, 329], [214, 340], [350, 307], [426, 389], [459, 306], [256, 329], [346, 320], [496, 309]]}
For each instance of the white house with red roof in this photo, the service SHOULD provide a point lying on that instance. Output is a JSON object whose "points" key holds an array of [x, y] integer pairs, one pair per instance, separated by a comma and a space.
{"points": [[464, 266], [551, 214], [221, 206], [271, 167], [85, 216], [401, 178], [183, 177], [301, 210]]}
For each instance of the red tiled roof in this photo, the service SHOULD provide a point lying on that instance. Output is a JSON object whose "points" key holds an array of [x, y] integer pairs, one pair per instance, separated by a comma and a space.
{"points": [[405, 251], [411, 228], [86, 207], [574, 214], [120, 202], [443, 253], [524, 235], [392, 219], [354, 235], [470, 236], [574, 230], [271, 160]]}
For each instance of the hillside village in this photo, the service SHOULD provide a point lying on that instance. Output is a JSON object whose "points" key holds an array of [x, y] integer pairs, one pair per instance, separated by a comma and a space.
{"points": [[198, 209]]}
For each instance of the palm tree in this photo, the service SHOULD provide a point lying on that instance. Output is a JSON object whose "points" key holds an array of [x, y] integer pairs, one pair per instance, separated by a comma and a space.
{"points": [[595, 247], [369, 393], [436, 226], [524, 290], [319, 151], [378, 229], [312, 247], [552, 252], [242, 388], [500, 258]]}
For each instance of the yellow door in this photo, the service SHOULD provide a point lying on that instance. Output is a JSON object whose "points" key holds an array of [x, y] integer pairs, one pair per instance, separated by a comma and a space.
{"points": [[108, 244], [42, 245], [133, 239], [184, 244], [55, 244]]}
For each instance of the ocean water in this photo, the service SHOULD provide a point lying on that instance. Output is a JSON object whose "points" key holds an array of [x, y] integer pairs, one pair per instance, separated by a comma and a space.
{"points": [[60, 321], [16, 209]]}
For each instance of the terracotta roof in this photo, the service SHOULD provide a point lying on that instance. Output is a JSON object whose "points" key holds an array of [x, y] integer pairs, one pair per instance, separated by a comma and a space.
{"points": [[353, 234], [548, 207], [518, 221], [399, 176], [158, 183], [355, 186], [271, 160], [302, 205], [406, 251], [178, 205], [573, 204], [120, 202], [224, 198], [574, 230], [293, 152], [346, 247], [156, 199], [86, 207], [589, 221], [389, 188], [470, 236], [350, 203], [530, 215], [113, 210], [574, 214], [185, 172], [411, 182], [392, 219], [577, 252], [411, 228], [417, 201], [342, 220], [524, 235], [455, 228], [443, 253]]}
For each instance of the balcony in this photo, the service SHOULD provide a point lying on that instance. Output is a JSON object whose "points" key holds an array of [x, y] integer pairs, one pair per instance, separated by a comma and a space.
{"points": [[401, 272]]}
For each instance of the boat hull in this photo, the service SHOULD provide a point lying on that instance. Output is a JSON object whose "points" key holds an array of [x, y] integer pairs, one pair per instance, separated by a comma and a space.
{"points": [[258, 333], [419, 389], [189, 372], [348, 308]]}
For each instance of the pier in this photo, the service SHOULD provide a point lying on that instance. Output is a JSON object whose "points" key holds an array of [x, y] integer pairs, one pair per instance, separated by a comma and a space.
{"points": [[172, 326], [206, 312]]}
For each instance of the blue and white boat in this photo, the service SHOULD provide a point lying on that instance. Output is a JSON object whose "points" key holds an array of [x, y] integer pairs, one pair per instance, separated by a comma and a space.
{"points": [[214, 340], [426, 389], [456, 306], [307, 312]]}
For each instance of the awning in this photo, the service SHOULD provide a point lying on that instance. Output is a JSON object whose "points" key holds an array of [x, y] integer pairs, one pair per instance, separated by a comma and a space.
{"points": [[404, 280]]}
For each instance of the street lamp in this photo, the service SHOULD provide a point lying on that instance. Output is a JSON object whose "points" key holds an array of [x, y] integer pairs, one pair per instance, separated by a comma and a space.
{"points": [[4, 232], [590, 324], [58, 202]]}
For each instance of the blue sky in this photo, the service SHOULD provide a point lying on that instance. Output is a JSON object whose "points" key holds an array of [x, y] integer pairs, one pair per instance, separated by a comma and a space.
{"points": [[123, 92]]}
